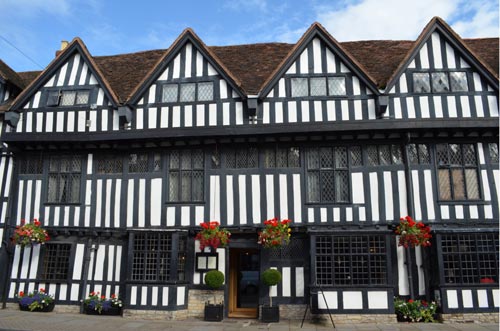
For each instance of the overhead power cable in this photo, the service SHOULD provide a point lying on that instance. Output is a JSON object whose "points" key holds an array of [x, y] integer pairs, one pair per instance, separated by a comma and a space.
{"points": [[20, 51]]}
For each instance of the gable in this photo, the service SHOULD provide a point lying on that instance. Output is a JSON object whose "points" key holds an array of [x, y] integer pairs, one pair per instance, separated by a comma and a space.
{"points": [[188, 91], [320, 84], [442, 81]]}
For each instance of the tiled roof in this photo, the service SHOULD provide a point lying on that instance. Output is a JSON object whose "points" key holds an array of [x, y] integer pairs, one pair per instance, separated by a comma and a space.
{"points": [[8, 74], [252, 64]]}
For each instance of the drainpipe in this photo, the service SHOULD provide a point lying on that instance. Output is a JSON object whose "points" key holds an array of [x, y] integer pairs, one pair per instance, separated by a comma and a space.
{"points": [[88, 256], [411, 211]]}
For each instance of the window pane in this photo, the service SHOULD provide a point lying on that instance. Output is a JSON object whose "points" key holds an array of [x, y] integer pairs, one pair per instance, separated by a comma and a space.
{"points": [[444, 184], [169, 93], [174, 160], [493, 149], [472, 184], [188, 91], [318, 86], [340, 157], [341, 186], [173, 191], [281, 158], [299, 87], [52, 188], [469, 155], [198, 159], [82, 98], [442, 154], [327, 186], [313, 158], [53, 99], [336, 86], [458, 81], [293, 157], [356, 156], [397, 156], [205, 91], [423, 154], [372, 154], [269, 158], [458, 184], [313, 186], [440, 82], [186, 186], [326, 158], [197, 185], [455, 154], [68, 98], [421, 82], [384, 154]]}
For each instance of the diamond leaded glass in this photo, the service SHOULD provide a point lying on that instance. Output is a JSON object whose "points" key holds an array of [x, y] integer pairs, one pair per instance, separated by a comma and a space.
{"points": [[205, 91], [318, 86], [440, 82], [356, 156], [188, 91], [170, 93], [68, 98], [299, 87], [82, 98], [421, 82], [493, 150], [336, 86], [458, 81]]}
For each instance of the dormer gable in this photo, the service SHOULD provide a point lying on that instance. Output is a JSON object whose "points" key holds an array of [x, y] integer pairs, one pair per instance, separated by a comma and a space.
{"points": [[73, 69]]}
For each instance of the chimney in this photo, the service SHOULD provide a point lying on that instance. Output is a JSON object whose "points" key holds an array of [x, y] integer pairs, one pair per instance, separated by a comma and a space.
{"points": [[64, 44]]}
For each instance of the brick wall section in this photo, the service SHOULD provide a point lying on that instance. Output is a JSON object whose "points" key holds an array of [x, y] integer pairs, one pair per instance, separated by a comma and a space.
{"points": [[177, 315], [197, 299]]}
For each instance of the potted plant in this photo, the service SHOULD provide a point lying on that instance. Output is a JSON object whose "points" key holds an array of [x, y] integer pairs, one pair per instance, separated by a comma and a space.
{"points": [[415, 310], [211, 235], [270, 277], [39, 301], [275, 234], [96, 304], [214, 312], [28, 234]]}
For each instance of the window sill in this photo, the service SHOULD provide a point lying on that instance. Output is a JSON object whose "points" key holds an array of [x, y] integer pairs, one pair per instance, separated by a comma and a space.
{"points": [[463, 202], [62, 204]]}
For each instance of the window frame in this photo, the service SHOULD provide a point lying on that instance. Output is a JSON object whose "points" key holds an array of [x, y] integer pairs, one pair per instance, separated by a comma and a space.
{"points": [[179, 94], [43, 272], [463, 167], [180, 171], [308, 79], [55, 96], [432, 90], [176, 257], [60, 175]]}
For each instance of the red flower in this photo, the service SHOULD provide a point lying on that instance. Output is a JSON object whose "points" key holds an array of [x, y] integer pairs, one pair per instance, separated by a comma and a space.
{"points": [[41, 290], [103, 297], [410, 301], [21, 294], [212, 235], [412, 234]]}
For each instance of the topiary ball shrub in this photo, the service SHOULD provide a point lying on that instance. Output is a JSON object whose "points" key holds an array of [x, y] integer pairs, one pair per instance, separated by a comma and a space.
{"points": [[271, 277], [214, 279]]}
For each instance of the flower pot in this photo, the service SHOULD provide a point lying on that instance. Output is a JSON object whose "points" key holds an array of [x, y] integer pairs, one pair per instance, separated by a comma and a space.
{"points": [[111, 311], [270, 314], [214, 313], [46, 309]]}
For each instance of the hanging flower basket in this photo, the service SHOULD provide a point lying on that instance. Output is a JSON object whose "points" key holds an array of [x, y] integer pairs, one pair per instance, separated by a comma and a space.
{"points": [[275, 234], [412, 234], [212, 236], [28, 234]]}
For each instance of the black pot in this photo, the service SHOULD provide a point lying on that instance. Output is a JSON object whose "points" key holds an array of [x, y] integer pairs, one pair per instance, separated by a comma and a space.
{"points": [[46, 309], [112, 311], [270, 314], [214, 313]]}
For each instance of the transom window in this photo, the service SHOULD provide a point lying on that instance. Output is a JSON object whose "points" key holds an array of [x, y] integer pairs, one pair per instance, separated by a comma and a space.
{"points": [[493, 152], [419, 154], [240, 158], [379, 155], [31, 166], [457, 172], [282, 157], [188, 92], [68, 98], [156, 259], [327, 175], [317, 86], [186, 172], [351, 260], [64, 179], [440, 82], [470, 258], [55, 264], [109, 164]]}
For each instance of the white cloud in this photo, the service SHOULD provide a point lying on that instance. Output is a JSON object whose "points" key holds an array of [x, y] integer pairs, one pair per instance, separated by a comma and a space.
{"points": [[35, 7], [405, 19]]}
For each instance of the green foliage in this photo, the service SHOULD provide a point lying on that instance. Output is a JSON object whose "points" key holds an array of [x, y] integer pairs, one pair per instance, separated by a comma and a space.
{"points": [[214, 279], [415, 310], [271, 277]]}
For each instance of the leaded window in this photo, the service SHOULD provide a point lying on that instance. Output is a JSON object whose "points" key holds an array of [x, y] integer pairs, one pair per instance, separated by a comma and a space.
{"points": [[351, 260], [109, 164], [64, 179], [457, 172], [68, 98], [138, 163], [419, 154], [282, 157], [380, 155], [440, 82], [186, 176], [327, 174], [317, 86], [493, 152], [241, 158], [155, 257], [336, 86], [356, 156], [188, 92], [31, 166], [56, 258], [470, 258]]}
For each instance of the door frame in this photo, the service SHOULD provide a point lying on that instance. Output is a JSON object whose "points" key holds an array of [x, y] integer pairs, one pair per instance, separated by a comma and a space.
{"points": [[233, 310]]}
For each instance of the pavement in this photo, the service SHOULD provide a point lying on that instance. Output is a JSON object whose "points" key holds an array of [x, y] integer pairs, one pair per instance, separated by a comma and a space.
{"points": [[16, 320]]}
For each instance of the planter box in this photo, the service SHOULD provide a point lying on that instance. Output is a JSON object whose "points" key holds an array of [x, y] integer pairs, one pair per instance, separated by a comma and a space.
{"points": [[214, 313], [270, 314], [112, 311], [46, 309]]}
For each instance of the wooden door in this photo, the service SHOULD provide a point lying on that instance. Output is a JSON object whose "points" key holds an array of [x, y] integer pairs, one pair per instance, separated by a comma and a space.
{"points": [[244, 280]]}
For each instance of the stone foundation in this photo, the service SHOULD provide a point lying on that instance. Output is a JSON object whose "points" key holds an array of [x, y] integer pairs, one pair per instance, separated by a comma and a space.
{"points": [[471, 318], [177, 315], [197, 300]]}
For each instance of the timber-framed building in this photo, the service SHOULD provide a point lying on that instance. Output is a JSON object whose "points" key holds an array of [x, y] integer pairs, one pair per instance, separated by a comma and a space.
{"points": [[121, 157]]}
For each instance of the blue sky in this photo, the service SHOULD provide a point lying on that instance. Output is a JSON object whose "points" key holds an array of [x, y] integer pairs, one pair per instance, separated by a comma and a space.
{"points": [[36, 27]]}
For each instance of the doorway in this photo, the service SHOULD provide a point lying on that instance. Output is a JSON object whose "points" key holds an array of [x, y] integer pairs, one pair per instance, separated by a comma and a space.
{"points": [[244, 279]]}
